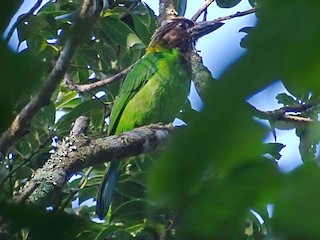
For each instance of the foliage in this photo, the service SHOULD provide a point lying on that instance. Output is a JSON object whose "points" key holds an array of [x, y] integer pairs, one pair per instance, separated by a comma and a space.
{"points": [[214, 172]]}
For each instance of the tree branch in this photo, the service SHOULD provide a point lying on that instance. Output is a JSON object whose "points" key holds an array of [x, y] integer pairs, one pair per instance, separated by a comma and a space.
{"points": [[238, 14], [19, 127], [283, 114], [203, 8], [87, 87], [201, 75], [167, 10], [76, 152]]}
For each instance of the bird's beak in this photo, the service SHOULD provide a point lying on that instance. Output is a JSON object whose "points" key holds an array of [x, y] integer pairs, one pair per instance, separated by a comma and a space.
{"points": [[203, 28]]}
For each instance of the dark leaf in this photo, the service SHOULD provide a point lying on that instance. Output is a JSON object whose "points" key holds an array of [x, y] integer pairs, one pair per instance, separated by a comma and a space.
{"points": [[227, 3]]}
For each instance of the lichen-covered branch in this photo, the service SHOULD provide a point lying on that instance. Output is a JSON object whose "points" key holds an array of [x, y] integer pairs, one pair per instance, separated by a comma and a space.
{"points": [[167, 10], [201, 75], [76, 152], [90, 12]]}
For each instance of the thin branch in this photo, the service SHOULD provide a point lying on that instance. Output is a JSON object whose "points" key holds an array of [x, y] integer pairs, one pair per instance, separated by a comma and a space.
{"points": [[201, 10], [90, 86], [21, 123], [77, 152], [238, 14], [282, 114], [21, 18]]}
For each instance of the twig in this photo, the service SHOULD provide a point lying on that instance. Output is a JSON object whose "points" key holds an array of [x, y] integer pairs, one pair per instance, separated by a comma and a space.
{"points": [[238, 14], [21, 123], [21, 18], [87, 87], [203, 8], [281, 114]]}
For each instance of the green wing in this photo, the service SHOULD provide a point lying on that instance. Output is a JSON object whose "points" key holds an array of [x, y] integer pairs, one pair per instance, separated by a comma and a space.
{"points": [[139, 75]]}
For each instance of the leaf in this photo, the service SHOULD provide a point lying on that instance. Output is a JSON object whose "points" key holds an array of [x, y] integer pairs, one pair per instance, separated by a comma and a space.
{"points": [[274, 149], [290, 221], [253, 3], [67, 100], [20, 74], [286, 99], [119, 32], [247, 30], [227, 3], [131, 189], [181, 6], [84, 108], [145, 23], [284, 58], [133, 210], [87, 193]]}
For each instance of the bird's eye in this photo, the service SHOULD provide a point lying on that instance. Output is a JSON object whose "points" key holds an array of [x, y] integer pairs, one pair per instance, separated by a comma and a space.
{"points": [[182, 25]]}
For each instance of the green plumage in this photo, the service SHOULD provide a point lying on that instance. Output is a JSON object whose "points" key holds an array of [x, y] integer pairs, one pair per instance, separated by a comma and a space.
{"points": [[154, 90]]}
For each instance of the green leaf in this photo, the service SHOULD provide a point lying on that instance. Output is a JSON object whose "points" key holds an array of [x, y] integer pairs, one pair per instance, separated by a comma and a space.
{"points": [[300, 188], [274, 149], [278, 42], [133, 210], [67, 100], [20, 74], [97, 118], [87, 193], [145, 23], [131, 189], [253, 3], [82, 109], [181, 6], [227, 3], [286, 99], [119, 32]]}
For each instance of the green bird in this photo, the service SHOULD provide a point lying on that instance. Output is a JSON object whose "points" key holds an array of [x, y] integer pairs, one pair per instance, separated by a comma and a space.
{"points": [[155, 89]]}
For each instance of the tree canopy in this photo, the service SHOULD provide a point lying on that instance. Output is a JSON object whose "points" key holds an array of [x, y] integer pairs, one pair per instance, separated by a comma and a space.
{"points": [[214, 178]]}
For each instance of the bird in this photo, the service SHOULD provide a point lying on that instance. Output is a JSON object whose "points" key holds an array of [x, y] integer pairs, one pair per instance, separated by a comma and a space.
{"points": [[155, 89]]}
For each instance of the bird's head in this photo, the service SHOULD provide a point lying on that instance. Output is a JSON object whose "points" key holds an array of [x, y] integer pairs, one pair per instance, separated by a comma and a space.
{"points": [[180, 33]]}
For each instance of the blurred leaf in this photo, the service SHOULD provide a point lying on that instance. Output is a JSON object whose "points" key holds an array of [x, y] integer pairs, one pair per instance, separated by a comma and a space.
{"points": [[215, 206], [7, 12], [22, 83], [294, 211], [227, 3], [42, 225], [278, 42]]}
